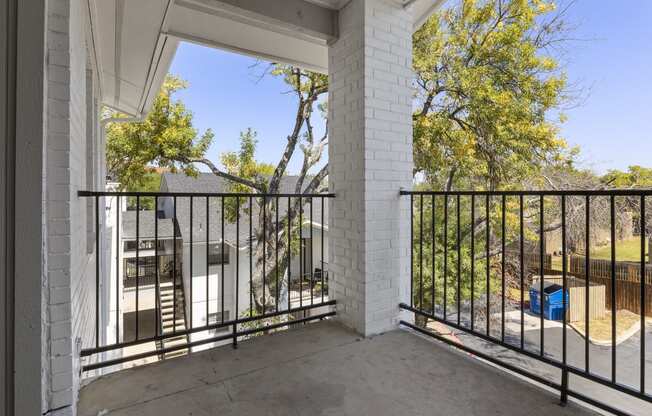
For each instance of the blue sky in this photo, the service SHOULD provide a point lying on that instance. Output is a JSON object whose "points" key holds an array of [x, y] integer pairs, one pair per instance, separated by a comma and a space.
{"points": [[613, 63], [612, 126], [228, 95]]}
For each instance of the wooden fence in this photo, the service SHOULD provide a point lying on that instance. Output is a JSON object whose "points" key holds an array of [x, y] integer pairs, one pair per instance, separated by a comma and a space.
{"points": [[628, 281], [531, 261]]}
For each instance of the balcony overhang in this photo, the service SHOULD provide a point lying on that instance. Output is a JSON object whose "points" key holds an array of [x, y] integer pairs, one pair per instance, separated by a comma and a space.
{"points": [[135, 40]]}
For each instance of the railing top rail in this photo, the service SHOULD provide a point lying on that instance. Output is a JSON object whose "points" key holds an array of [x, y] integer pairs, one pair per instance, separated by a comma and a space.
{"points": [[567, 192], [203, 194]]}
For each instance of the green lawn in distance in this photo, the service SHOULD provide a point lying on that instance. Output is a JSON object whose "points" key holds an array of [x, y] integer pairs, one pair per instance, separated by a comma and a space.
{"points": [[626, 250]]}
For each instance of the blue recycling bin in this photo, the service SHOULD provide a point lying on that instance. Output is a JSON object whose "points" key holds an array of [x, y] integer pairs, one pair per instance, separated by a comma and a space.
{"points": [[553, 301]]}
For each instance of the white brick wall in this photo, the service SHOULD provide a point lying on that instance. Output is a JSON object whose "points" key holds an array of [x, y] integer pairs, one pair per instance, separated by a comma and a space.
{"points": [[69, 294], [370, 157]]}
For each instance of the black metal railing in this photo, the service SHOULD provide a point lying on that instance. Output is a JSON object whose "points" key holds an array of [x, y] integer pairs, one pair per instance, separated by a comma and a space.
{"points": [[472, 269], [264, 233]]}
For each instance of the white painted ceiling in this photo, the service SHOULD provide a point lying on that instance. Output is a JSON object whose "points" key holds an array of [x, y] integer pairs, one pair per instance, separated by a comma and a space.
{"points": [[135, 40]]}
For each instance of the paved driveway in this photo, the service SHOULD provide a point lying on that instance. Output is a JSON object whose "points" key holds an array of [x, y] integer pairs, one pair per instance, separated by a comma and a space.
{"points": [[627, 360]]}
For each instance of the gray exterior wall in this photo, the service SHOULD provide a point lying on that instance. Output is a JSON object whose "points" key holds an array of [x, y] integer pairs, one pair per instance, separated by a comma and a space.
{"points": [[22, 68]]}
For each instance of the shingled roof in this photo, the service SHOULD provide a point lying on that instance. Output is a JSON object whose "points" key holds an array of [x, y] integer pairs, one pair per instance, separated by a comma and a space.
{"points": [[146, 223], [209, 183]]}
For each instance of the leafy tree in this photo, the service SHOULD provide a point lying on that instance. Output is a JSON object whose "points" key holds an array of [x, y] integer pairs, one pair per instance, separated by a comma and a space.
{"points": [[634, 177], [165, 138], [150, 181], [486, 82], [485, 85]]}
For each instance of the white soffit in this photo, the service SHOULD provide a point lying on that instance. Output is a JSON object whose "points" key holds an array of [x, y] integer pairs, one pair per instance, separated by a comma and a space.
{"points": [[422, 10], [136, 40], [295, 32], [134, 56]]}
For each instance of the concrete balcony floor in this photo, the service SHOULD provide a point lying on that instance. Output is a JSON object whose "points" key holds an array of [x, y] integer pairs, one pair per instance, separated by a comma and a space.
{"points": [[321, 369]]}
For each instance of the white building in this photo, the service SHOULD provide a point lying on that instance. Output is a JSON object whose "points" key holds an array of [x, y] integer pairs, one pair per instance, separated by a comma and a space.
{"points": [[238, 237]]}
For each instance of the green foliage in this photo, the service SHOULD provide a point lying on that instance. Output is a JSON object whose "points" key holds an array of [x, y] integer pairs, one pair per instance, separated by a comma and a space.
{"points": [[243, 164], [166, 138], [149, 182], [447, 246], [301, 81], [485, 86], [257, 324], [635, 177]]}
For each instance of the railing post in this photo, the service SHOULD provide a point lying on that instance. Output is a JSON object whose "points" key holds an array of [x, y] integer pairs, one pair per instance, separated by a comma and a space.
{"points": [[235, 336], [563, 399]]}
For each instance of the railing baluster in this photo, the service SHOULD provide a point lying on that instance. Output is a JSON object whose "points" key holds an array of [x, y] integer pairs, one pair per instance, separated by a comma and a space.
{"points": [[411, 250], [301, 254], [445, 256], [502, 270], [541, 277], [643, 297], [118, 275], [236, 314], [612, 206], [251, 259], [459, 261], [208, 228], [311, 254], [587, 276], [276, 247], [190, 265], [289, 251], [137, 267], [472, 262], [97, 271], [264, 252], [157, 295], [222, 260], [522, 266], [322, 249], [434, 256], [421, 252], [564, 380], [487, 265], [174, 268]]}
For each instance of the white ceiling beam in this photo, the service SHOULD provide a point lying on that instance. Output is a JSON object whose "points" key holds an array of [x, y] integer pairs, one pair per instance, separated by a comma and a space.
{"points": [[284, 16], [270, 41]]}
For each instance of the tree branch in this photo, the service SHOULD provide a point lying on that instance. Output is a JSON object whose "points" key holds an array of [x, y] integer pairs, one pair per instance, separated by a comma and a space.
{"points": [[225, 175]]}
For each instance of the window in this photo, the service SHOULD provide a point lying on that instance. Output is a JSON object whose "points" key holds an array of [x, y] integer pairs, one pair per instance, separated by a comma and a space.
{"points": [[215, 254], [147, 267], [216, 317], [306, 257], [144, 245]]}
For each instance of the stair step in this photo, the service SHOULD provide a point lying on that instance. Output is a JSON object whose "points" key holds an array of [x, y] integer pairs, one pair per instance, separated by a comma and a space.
{"points": [[170, 324], [174, 354], [172, 314], [175, 342]]}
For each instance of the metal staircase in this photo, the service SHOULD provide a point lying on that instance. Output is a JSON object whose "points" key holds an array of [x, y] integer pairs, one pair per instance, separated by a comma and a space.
{"points": [[172, 320]]}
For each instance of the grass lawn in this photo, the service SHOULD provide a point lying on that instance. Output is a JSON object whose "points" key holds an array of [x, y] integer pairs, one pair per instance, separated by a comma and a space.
{"points": [[626, 250], [600, 329]]}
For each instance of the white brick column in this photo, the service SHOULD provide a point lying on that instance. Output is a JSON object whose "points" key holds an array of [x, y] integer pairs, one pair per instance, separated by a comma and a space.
{"points": [[370, 159]]}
